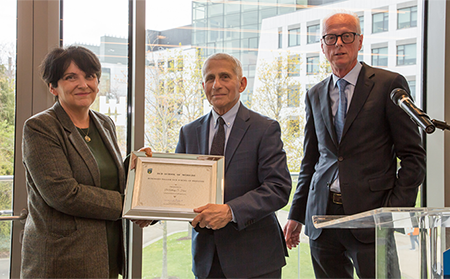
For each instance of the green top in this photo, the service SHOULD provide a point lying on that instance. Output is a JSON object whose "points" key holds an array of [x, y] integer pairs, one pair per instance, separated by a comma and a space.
{"points": [[110, 181]]}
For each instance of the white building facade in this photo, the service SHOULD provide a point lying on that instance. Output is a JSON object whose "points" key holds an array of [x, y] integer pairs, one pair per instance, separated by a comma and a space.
{"points": [[389, 27]]}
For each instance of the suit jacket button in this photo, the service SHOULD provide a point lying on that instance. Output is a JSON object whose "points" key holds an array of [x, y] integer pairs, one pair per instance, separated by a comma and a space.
{"points": [[340, 159]]}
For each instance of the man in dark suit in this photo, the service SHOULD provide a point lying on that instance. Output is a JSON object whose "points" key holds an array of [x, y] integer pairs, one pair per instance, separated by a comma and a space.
{"points": [[242, 237], [354, 134]]}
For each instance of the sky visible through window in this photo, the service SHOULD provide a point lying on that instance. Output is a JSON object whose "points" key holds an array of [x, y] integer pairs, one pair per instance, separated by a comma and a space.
{"points": [[113, 18]]}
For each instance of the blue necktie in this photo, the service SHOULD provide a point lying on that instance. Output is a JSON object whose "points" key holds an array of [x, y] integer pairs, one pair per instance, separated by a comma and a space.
{"points": [[341, 113]]}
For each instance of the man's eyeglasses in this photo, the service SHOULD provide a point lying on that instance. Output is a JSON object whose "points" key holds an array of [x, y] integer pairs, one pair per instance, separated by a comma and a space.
{"points": [[347, 38]]}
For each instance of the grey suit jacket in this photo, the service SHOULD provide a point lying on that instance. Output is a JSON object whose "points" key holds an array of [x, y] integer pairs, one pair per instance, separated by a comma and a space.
{"points": [[376, 132], [257, 183], [65, 232]]}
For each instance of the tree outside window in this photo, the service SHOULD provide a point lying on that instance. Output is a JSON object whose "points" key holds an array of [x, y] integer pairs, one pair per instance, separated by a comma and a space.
{"points": [[7, 129], [293, 96], [294, 66], [278, 96]]}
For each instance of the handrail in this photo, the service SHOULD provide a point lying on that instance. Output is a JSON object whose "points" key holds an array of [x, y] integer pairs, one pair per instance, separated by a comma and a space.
{"points": [[23, 215], [6, 177]]}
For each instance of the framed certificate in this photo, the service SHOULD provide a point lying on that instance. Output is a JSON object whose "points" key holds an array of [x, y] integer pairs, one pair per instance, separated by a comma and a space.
{"points": [[168, 186]]}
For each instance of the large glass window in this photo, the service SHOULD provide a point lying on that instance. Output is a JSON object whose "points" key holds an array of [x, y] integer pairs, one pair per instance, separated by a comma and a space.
{"points": [[173, 97], [361, 20], [380, 22], [280, 39], [312, 65], [7, 127], [361, 54], [294, 37], [412, 87], [110, 43], [406, 54], [294, 66], [407, 17], [176, 48], [379, 56], [314, 34]]}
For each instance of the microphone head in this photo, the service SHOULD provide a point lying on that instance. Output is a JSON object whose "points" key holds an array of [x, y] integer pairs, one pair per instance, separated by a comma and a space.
{"points": [[397, 93]]}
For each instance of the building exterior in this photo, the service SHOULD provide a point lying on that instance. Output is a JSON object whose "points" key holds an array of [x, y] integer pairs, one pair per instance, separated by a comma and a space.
{"points": [[389, 27], [234, 27], [171, 38]]}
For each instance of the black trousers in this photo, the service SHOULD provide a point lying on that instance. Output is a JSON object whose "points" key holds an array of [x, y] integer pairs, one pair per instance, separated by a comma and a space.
{"points": [[337, 251]]}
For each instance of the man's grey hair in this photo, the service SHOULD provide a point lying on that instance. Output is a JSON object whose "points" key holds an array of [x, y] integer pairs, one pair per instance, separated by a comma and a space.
{"points": [[342, 12], [224, 56]]}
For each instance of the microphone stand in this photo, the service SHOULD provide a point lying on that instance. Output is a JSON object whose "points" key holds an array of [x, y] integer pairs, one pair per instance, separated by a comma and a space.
{"points": [[440, 124]]}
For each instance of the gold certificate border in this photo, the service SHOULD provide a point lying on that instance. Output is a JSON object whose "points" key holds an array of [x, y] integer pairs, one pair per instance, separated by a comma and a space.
{"points": [[146, 187]]}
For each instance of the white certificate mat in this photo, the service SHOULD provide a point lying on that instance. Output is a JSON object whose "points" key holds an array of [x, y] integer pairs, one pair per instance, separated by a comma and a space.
{"points": [[169, 186]]}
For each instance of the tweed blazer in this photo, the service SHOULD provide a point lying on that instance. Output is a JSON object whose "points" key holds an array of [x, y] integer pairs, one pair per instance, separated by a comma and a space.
{"points": [[65, 232]]}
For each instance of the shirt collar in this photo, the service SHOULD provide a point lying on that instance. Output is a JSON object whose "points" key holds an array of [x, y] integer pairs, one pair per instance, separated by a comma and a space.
{"points": [[351, 77], [228, 117]]}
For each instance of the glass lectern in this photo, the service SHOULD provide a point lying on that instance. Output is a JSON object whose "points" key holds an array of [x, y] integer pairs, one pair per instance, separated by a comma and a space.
{"points": [[413, 237]]}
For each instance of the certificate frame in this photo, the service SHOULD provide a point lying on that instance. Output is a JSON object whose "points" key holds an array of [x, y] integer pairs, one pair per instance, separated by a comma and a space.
{"points": [[168, 186]]}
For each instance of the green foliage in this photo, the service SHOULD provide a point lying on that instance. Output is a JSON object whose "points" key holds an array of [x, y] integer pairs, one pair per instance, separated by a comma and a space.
{"points": [[6, 148], [7, 110], [179, 259], [298, 264], [7, 124], [5, 227], [7, 102], [291, 196]]}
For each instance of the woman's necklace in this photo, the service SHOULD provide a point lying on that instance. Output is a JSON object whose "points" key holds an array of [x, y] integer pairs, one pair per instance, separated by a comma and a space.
{"points": [[86, 136]]}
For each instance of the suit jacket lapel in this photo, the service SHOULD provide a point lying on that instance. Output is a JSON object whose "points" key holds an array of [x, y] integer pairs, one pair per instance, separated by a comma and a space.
{"points": [[238, 131], [203, 134], [78, 142], [325, 107], [362, 91]]}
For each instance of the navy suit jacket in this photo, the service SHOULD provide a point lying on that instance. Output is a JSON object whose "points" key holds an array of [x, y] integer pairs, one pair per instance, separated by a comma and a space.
{"points": [[376, 132], [257, 183]]}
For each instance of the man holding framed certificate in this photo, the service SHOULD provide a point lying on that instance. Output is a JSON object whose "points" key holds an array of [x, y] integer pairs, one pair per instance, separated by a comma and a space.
{"points": [[242, 237]]}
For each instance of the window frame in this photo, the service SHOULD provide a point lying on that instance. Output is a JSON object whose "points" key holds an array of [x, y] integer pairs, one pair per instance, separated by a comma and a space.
{"points": [[411, 16], [377, 56], [311, 67], [384, 21], [294, 33], [402, 57], [313, 35]]}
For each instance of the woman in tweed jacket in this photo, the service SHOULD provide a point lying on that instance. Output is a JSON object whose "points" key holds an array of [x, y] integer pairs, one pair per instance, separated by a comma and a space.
{"points": [[75, 177]]}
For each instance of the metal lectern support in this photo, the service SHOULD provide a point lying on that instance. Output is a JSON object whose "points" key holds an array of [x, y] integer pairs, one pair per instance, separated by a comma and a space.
{"points": [[423, 248], [396, 236]]}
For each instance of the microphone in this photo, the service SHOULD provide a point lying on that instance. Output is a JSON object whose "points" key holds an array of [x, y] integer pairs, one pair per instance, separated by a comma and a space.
{"points": [[401, 99]]}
